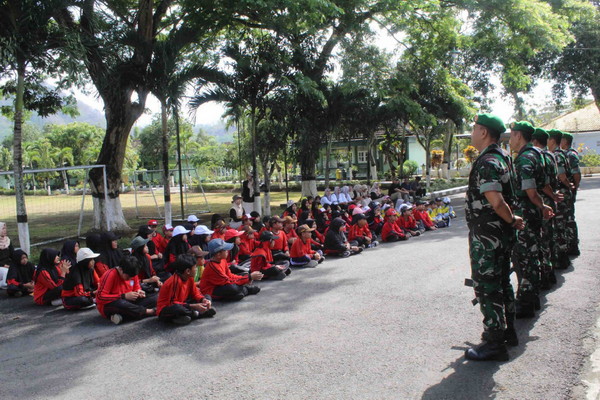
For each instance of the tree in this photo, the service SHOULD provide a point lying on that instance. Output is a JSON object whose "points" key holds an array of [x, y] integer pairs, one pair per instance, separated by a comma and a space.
{"points": [[29, 44]]}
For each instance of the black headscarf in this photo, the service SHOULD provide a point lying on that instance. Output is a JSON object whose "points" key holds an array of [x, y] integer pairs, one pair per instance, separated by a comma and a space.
{"points": [[80, 274], [335, 239], [144, 262], [17, 271], [46, 263], [176, 246], [94, 242], [68, 251], [108, 255], [145, 232]]}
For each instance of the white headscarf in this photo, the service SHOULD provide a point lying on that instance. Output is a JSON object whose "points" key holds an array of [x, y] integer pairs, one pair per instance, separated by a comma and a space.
{"points": [[4, 240]]}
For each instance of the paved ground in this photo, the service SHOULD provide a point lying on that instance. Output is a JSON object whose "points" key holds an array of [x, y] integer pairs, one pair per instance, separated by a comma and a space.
{"points": [[391, 323]]}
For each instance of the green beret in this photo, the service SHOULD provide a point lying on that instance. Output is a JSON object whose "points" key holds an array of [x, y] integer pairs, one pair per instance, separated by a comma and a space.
{"points": [[490, 121], [522, 126], [540, 133], [555, 134], [567, 135]]}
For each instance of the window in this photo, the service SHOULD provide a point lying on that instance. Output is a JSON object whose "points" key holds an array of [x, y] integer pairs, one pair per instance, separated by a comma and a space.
{"points": [[362, 157]]}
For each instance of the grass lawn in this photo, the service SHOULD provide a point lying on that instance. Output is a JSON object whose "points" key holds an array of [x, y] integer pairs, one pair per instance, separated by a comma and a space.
{"points": [[57, 216]]}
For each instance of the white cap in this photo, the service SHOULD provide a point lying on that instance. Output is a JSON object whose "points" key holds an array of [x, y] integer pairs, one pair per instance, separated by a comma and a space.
{"points": [[193, 218], [203, 230], [85, 253], [180, 230], [168, 227]]}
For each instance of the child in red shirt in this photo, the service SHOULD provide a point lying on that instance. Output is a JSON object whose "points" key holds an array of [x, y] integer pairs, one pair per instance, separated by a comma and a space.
{"points": [[219, 282], [302, 254], [49, 278], [79, 287], [179, 300], [120, 297], [407, 222], [422, 217], [280, 248], [262, 258], [360, 232], [390, 231], [247, 243]]}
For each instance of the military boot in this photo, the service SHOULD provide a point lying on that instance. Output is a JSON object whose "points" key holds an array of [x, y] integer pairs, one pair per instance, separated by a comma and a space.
{"points": [[552, 277], [510, 334], [545, 282], [574, 251], [526, 305], [487, 351], [563, 261]]}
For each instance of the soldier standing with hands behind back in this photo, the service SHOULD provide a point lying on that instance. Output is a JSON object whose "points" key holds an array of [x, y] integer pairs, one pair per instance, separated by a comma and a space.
{"points": [[492, 227]]}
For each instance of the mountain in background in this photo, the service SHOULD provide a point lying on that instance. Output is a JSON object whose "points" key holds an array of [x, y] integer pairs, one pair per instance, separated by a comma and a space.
{"points": [[94, 116]]}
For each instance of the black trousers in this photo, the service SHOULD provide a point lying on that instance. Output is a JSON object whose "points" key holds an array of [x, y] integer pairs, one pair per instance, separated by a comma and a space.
{"points": [[175, 310], [52, 294], [231, 292], [11, 290], [76, 303], [130, 310], [279, 255]]}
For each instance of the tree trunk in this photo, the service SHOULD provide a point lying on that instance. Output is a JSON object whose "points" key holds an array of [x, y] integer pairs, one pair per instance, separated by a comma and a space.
{"points": [[267, 176], [120, 115], [22, 224], [428, 166], [65, 179], [257, 205], [327, 158], [165, 162], [308, 165]]}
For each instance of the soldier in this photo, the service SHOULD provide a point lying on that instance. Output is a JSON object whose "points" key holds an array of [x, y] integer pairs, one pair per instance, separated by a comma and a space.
{"points": [[573, 156], [492, 224], [529, 167], [565, 189], [551, 196]]}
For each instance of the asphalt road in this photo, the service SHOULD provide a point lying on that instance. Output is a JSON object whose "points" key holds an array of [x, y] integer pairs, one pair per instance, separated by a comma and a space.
{"points": [[391, 323]]}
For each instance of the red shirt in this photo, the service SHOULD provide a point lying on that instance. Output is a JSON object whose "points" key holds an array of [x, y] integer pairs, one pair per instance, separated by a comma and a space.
{"points": [[160, 243], [406, 222], [218, 274], [301, 249], [357, 232], [282, 242], [247, 245], [142, 274], [112, 287], [44, 283], [177, 291], [423, 216], [389, 228], [262, 257]]}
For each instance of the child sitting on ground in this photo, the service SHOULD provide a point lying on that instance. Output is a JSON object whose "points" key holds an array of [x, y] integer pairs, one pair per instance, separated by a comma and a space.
{"points": [[360, 232], [247, 244], [422, 217], [390, 231], [120, 296], [262, 258], [233, 236], [289, 227], [20, 275], [219, 282], [436, 216], [49, 278], [302, 254], [179, 300], [280, 248], [407, 222], [149, 281], [79, 288], [336, 243]]}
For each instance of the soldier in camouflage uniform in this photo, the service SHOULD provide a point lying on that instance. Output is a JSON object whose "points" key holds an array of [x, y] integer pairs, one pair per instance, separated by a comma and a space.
{"points": [[565, 189], [529, 167], [573, 157], [491, 229], [551, 197]]}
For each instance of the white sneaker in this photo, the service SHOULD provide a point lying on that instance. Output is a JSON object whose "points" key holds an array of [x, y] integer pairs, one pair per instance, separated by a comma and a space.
{"points": [[56, 302], [116, 319]]}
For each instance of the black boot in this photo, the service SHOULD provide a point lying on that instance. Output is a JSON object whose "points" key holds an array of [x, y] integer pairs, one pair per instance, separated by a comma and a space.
{"points": [[487, 351], [510, 334], [574, 251], [563, 261], [552, 277], [525, 306], [545, 282]]}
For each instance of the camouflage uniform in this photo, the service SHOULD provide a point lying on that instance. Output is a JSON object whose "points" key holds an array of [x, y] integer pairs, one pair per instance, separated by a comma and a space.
{"points": [[529, 166], [560, 220], [548, 247], [572, 231], [490, 240]]}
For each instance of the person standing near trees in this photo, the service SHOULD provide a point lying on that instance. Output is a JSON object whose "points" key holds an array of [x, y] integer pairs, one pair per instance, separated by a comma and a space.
{"points": [[492, 227], [531, 180], [575, 177], [248, 194]]}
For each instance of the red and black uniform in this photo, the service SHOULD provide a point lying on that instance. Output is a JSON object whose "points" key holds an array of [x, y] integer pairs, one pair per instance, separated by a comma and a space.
{"points": [[424, 217], [176, 246], [175, 298], [302, 254], [19, 274], [407, 223], [221, 284], [78, 287], [160, 243], [359, 234], [391, 233], [247, 246], [110, 297], [262, 260], [281, 246], [48, 278]]}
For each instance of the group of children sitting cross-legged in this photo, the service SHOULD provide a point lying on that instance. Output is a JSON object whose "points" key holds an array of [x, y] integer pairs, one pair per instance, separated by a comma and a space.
{"points": [[176, 275]]}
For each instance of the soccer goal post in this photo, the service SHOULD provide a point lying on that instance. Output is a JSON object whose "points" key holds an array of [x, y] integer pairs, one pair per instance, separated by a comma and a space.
{"points": [[58, 202]]}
